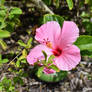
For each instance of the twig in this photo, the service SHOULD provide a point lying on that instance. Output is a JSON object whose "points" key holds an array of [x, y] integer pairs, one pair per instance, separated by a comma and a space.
{"points": [[14, 58], [41, 6]]}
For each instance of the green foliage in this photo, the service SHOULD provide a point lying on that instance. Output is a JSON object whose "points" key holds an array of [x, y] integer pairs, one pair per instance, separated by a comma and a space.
{"points": [[2, 61], [40, 70], [49, 17], [70, 4], [28, 45], [21, 59], [56, 3], [4, 34], [84, 42], [47, 63], [54, 67], [50, 59], [45, 55], [48, 2], [2, 2], [3, 44], [9, 18], [56, 77], [6, 85]]}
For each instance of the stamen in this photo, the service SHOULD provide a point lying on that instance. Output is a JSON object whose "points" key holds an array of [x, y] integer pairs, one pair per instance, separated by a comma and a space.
{"points": [[49, 44]]}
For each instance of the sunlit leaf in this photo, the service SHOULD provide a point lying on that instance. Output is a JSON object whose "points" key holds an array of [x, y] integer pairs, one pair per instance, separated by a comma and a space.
{"points": [[70, 4], [3, 44], [21, 43], [4, 34]]}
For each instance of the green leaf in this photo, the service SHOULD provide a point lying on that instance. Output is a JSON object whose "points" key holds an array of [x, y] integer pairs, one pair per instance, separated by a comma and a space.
{"points": [[39, 72], [48, 2], [84, 42], [16, 11], [18, 80], [87, 1], [3, 61], [54, 67], [29, 42], [2, 13], [24, 53], [0, 57], [18, 63], [1, 88], [70, 4], [45, 55], [3, 44], [2, 2], [21, 43], [50, 17], [50, 59], [2, 24], [56, 3], [55, 77], [4, 34]]}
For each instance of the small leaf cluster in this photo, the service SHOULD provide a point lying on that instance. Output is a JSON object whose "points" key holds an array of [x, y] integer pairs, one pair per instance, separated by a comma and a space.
{"points": [[46, 63], [9, 19], [6, 85]]}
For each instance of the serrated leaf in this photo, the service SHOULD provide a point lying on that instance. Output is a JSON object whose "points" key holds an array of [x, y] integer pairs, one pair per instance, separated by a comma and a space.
{"points": [[54, 67], [50, 17], [70, 4], [4, 34], [39, 72]]}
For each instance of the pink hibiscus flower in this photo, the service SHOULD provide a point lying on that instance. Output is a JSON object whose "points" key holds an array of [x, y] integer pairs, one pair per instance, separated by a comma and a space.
{"points": [[58, 42]]}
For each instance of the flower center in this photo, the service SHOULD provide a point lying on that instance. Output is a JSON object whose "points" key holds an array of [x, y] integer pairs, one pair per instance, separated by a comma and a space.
{"points": [[57, 52]]}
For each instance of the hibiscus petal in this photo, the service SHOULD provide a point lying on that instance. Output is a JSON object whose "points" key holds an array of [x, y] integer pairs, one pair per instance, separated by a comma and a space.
{"points": [[48, 32], [49, 71], [36, 54], [69, 58], [69, 34]]}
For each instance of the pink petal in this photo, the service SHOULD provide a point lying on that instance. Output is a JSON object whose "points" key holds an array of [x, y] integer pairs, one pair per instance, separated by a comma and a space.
{"points": [[69, 34], [36, 54], [48, 32], [69, 58], [49, 71]]}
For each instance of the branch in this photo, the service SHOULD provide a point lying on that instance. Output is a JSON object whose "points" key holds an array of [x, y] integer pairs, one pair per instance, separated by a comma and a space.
{"points": [[41, 6]]}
